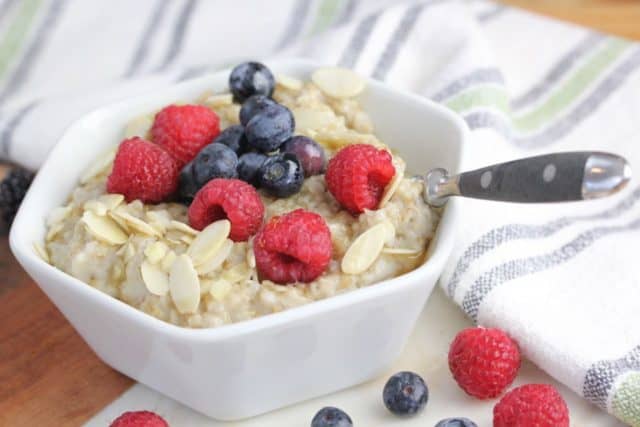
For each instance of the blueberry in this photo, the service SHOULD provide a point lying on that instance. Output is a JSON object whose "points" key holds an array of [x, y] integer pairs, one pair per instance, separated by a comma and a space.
{"points": [[213, 161], [405, 394], [331, 417], [266, 131], [187, 187], [456, 422], [251, 78], [309, 152], [233, 137], [281, 175], [248, 167], [254, 105]]}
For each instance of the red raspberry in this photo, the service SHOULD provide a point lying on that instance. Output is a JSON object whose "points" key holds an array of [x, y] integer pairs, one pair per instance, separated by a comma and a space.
{"points": [[484, 362], [232, 199], [294, 247], [183, 130], [139, 419], [144, 171], [358, 175], [531, 405]]}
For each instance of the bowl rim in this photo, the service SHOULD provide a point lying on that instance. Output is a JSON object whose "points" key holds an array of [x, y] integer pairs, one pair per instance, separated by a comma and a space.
{"points": [[438, 252]]}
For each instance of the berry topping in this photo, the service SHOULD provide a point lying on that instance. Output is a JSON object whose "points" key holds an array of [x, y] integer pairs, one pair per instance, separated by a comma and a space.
{"points": [[248, 166], [254, 105], [456, 422], [294, 247], [183, 130], [357, 176], [214, 161], [538, 405], [230, 199], [309, 152], [143, 171], [13, 188], [281, 175], [331, 417], [484, 362], [233, 137], [251, 78], [268, 130], [139, 419], [405, 394]]}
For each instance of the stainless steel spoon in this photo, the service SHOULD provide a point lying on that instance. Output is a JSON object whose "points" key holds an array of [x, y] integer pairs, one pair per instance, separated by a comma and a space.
{"points": [[558, 177]]}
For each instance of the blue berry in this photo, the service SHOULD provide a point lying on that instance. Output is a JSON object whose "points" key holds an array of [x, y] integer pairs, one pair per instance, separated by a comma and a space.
{"points": [[456, 422], [213, 161], [281, 175], [405, 394], [251, 78], [233, 137], [254, 105], [187, 187], [268, 130], [248, 166], [309, 152], [331, 417]]}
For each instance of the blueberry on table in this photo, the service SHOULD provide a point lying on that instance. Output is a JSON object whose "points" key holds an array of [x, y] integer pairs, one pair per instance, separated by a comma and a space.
{"points": [[456, 422], [248, 166], [309, 152], [331, 417], [233, 137], [213, 161], [251, 78], [268, 130], [405, 394], [281, 175], [254, 105]]}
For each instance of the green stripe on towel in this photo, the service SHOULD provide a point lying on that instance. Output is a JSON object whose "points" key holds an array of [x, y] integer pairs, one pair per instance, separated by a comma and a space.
{"points": [[13, 39]]}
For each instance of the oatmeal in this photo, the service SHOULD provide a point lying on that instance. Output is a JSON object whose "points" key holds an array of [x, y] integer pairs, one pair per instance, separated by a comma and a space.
{"points": [[151, 256]]}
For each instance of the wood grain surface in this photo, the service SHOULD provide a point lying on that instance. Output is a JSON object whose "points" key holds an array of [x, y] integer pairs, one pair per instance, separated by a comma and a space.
{"points": [[48, 376]]}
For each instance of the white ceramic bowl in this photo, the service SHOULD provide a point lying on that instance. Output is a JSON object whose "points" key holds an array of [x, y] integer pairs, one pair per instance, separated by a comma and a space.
{"points": [[244, 369]]}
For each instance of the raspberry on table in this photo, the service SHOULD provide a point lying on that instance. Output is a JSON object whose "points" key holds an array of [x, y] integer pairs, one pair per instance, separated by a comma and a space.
{"points": [[232, 199], [357, 176], [139, 419], [294, 247], [484, 361], [530, 405], [143, 171], [183, 130]]}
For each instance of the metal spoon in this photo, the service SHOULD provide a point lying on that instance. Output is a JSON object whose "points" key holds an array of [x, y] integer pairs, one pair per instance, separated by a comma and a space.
{"points": [[558, 177]]}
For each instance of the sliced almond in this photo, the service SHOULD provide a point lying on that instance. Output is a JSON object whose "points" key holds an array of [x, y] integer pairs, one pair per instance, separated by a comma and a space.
{"points": [[208, 241], [139, 126], [54, 230], [217, 259], [160, 220], [111, 201], [220, 288], [400, 167], [312, 120], [154, 278], [401, 251], [104, 228], [96, 207], [58, 215], [184, 285], [41, 251], [236, 274], [186, 239], [365, 249], [155, 252], [134, 223], [167, 261], [289, 82], [338, 82], [100, 166], [181, 226], [251, 258], [219, 100]]}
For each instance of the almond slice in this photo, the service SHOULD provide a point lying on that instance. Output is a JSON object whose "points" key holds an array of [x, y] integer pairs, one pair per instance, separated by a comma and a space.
{"points": [[236, 274], [312, 120], [184, 285], [101, 165], [154, 278], [155, 252], [134, 223], [365, 249], [53, 231], [96, 207], [104, 228], [111, 201], [217, 259], [168, 260], [41, 252], [160, 220], [208, 241], [58, 215], [139, 126], [338, 82], [391, 188], [220, 288], [401, 251], [219, 100], [181, 226], [289, 82]]}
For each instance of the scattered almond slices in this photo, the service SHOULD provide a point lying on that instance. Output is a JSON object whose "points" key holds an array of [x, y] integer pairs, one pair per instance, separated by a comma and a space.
{"points": [[139, 126], [155, 252], [181, 226], [155, 279], [220, 100], [216, 259], [366, 248], [96, 207], [168, 260], [236, 274], [311, 119], [338, 82], [41, 252], [220, 288], [100, 166], [208, 241], [400, 167], [57, 215], [402, 251], [134, 223], [111, 201], [104, 228], [160, 220], [184, 285], [54, 230], [289, 82]]}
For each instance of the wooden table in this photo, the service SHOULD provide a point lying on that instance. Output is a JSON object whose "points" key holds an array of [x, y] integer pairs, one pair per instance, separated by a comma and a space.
{"points": [[48, 376]]}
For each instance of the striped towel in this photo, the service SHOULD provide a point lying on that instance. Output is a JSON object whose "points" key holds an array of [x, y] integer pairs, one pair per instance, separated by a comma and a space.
{"points": [[561, 279]]}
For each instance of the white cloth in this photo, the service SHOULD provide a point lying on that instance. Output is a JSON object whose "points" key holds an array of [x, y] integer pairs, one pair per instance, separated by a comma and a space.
{"points": [[561, 279]]}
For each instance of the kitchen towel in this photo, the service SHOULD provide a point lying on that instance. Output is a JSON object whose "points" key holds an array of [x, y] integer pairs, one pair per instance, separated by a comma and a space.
{"points": [[562, 279]]}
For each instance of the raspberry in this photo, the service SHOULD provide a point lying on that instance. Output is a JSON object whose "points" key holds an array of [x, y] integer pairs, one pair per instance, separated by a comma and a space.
{"points": [[294, 247], [358, 175], [139, 419], [531, 405], [232, 199], [183, 130], [142, 170], [484, 362]]}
